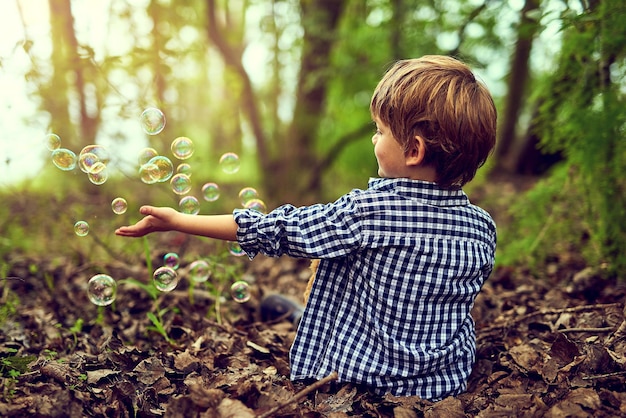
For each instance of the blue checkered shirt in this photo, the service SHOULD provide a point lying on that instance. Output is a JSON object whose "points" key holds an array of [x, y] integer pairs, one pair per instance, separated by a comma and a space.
{"points": [[401, 265]]}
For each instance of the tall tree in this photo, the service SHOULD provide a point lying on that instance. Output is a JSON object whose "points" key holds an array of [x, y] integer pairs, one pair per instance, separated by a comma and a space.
{"points": [[516, 85], [293, 151], [67, 64]]}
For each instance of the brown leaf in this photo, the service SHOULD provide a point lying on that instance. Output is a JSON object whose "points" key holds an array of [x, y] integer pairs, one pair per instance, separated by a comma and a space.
{"points": [[580, 402], [94, 376], [185, 362], [233, 408], [149, 370], [527, 358], [448, 408]]}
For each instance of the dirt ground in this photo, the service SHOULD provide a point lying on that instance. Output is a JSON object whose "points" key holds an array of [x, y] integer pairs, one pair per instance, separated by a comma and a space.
{"points": [[550, 343]]}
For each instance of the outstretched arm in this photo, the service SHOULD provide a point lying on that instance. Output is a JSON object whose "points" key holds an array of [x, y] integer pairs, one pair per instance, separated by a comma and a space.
{"points": [[158, 219]]}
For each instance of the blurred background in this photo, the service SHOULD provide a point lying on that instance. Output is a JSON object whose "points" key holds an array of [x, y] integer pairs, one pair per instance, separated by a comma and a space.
{"points": [[285, 85]]}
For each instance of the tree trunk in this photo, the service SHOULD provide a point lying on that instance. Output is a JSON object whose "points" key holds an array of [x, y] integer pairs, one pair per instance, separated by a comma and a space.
{"points": [[291, 173], [66, 60], [505, 149]]}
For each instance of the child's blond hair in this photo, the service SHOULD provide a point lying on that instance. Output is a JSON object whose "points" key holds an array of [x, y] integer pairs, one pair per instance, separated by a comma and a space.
{"points": [[439, 98]]}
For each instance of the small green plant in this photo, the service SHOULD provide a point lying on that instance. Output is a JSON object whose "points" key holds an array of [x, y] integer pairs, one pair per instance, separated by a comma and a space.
{"points": [[11, 368], [157, 323], [50, 354], [223, 272], [9, 301]]}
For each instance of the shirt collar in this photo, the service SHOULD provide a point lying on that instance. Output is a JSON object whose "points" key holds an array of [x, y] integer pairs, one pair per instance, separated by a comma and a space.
{"points": [[428, 192]]}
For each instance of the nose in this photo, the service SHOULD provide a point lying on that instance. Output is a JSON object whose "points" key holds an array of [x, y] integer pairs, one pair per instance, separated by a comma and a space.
{"points": [[374, 139]]}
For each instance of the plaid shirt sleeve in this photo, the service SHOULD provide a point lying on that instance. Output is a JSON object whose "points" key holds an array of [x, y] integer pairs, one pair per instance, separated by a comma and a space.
{"points": [[402, 263], [318, 231]]}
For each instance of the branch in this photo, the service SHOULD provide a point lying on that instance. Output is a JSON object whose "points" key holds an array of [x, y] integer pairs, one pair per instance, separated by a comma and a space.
{"points": [[331, 377], [248, 102], [335, 150], [488, 331]]}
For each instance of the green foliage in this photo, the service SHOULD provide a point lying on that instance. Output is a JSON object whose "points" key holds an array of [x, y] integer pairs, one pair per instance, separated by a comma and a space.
{"points": [[14, 365], [537, 231], [11, 368], [157, 325], [583, 116]]}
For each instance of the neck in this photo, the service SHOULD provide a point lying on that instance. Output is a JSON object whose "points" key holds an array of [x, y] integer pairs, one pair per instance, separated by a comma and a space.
{"points": [[424, 173]]}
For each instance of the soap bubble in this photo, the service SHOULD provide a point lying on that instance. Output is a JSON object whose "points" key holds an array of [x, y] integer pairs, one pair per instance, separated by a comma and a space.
{"points": [[86, 161], [119, 205], [211, 192], [189, 205], [99, 151], [52, 141], [199, 271], [184, 168], [182, 148], [240, 291], [99, 174], [102, 290], [235, 249], [181, 183], [64, 159], [152, 121], [171, 260], [146, 155], [246, 194], [149, 173], [256, 204], [81, 228], [229, 163], [165, 279], [164, 166]]}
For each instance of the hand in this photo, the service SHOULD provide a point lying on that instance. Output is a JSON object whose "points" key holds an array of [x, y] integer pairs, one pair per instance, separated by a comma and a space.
{"points": [[155, 220]]}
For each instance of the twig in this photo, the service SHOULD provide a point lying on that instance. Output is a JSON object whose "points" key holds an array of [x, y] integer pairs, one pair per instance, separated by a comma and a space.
{"points": [[486, 332], [602, 376], [603, 329], [331, 377]]}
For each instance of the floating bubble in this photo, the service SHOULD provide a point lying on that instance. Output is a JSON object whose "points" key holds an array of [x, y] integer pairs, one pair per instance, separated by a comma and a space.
{"points": [[171, 260], [211, 192], [240, 291], [189, 205], [149, 173], [99, 151], [81, 228], [97, 168], [256, 204], [235, 249], [184, 168], [52, 141], [64, 159], [182, 147], [152, 121], [164, 166], [119, 205], [181, 183], [87, 161], [229, 163], [146, 155], [246, 194], [102, 290], [199, 271], [165, 279], [99, 174]]}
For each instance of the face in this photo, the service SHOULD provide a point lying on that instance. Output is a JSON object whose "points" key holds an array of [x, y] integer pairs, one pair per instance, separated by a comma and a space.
{"points": [[389, 153]]}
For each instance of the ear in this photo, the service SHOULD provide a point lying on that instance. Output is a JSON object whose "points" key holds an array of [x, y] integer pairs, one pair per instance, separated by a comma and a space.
{"points": [[416, 154]]}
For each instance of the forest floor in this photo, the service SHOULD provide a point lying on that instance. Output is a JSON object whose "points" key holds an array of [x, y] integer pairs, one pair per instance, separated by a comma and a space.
{"points": [[550, 342]]}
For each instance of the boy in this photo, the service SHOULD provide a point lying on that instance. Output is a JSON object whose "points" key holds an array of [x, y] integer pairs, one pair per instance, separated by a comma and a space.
{"points": [[402, 261]]}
